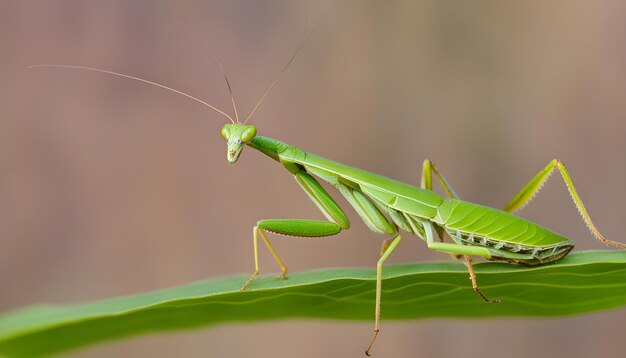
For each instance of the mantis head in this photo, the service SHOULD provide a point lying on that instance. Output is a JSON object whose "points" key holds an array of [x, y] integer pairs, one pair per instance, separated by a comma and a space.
{"points": [[236, 135]]}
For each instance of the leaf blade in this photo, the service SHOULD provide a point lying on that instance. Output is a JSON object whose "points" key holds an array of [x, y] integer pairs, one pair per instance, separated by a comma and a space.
{"points": [[580, 283]]}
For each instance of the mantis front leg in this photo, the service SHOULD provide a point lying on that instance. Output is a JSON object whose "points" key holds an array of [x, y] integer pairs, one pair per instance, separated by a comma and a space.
{"points": [[300, 228]]}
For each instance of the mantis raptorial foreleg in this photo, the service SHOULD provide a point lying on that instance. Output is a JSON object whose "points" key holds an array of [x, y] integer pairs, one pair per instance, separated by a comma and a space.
{"points": [[528, 192], [300, 228], [255, 232]]}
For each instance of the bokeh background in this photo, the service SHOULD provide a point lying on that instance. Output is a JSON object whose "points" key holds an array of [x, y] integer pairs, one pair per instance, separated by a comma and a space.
{"points": [[110, 187]]}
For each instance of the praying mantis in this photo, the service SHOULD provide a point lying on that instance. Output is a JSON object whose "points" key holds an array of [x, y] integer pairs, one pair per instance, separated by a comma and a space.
{"points": [[390, 207]]}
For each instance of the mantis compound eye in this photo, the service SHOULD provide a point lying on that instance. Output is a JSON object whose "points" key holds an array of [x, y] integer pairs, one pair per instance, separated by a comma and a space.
{"points": [[248, 134], [225, 132]]}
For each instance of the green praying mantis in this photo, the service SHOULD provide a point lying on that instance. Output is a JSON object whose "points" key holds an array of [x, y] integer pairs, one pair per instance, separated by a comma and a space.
{"points": [[389, 207]]}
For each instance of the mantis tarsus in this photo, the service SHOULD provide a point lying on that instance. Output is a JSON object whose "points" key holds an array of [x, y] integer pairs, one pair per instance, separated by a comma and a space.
{"points": [[388, 206]]}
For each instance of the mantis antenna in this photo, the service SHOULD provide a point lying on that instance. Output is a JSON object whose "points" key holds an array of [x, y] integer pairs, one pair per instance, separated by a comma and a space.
{"points": [[206, 46], [278, 76], [136, 79], [232, 97], [219, 65]]}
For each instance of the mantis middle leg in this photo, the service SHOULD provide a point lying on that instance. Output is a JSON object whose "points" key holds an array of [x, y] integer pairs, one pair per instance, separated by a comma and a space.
{"points": [[428, 168], [379, 276]]}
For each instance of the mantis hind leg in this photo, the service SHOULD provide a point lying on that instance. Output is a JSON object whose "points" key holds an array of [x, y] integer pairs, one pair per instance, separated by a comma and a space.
{"points": [[456, 251], [528, 192], [464, 251], [468, 263]]}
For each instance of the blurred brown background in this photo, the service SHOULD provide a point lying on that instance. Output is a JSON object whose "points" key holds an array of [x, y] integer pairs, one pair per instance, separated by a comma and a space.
{"points": [[110, 187]]}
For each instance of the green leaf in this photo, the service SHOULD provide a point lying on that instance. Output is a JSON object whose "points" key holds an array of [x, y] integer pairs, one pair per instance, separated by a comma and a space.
{"points": [[580, 283]]}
